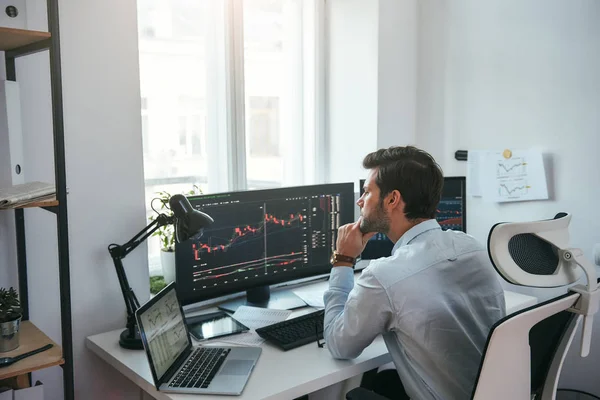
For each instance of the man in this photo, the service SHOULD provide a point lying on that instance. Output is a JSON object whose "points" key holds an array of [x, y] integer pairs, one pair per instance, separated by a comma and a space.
{"points": [[434, 299]]}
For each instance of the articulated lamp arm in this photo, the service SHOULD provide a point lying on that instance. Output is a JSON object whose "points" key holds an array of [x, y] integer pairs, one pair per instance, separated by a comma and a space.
{"points": [[189, 224], [118, 252]]}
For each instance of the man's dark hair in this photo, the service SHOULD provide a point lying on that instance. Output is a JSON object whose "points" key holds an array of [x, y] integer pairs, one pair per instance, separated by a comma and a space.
{"points": [[411, 171]]}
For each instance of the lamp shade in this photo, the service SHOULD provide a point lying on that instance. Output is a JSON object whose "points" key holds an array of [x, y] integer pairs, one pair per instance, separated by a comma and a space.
{"points": [[189, 223]]}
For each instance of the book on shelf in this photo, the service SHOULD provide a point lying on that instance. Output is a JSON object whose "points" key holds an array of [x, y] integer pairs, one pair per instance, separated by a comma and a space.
{"points": [[19, 195]]}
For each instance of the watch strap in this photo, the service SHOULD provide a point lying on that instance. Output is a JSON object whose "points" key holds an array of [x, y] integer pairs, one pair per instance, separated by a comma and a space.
{"points": [[340, 257]]}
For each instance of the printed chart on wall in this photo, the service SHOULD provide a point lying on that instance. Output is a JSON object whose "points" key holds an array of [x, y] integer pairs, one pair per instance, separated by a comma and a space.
{"points": [[508, 175]]}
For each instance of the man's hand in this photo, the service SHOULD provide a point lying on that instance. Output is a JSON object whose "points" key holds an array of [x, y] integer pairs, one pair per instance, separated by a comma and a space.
{"points": [[351, 241]]}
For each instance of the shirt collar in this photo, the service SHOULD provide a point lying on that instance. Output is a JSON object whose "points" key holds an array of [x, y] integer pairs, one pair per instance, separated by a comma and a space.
{"points": [[415, 231]]}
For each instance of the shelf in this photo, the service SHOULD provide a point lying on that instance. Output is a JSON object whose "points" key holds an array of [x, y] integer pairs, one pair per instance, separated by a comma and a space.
{"points": [[41, 203], [32, 338], [17, 45], [11, 38]]}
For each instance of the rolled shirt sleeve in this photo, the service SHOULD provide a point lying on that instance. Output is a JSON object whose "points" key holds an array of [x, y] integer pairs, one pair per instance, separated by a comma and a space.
{"points": [[354, 314]]}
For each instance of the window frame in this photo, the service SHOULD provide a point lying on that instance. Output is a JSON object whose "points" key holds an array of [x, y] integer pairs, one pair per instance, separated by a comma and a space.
{"points": [[224, 131], [231, 173]]}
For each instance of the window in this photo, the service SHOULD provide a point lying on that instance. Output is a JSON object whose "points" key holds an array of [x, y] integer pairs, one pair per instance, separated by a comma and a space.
{"points": [[145, 135], [263, 131], [234, 88], [191, 126]]}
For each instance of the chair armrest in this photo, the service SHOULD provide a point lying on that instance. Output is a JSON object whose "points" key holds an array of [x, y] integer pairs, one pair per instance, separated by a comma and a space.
{"points": [[363, 394]]}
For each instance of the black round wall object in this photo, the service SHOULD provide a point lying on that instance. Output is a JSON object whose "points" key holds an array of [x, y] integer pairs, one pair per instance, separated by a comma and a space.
{"points": [[11, 11]]}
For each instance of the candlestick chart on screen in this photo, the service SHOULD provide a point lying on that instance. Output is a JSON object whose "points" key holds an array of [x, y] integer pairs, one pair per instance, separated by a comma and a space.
{"points": [[249, 240]]}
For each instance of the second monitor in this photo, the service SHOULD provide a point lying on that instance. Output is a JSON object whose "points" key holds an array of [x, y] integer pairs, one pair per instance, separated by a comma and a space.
{"points": [[451, 214], [260, 238]]}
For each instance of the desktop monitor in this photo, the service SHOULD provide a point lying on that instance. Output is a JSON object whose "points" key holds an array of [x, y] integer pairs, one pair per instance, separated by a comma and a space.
{"points": [[260, 238], [451, 214]]}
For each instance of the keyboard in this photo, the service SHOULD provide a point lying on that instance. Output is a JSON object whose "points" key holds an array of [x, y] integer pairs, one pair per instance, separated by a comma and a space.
{"points": [[295, 332], [200, 368]]}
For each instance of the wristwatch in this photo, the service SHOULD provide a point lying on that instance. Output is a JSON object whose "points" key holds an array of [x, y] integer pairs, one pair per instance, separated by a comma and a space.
{"points": [[337, 257]]}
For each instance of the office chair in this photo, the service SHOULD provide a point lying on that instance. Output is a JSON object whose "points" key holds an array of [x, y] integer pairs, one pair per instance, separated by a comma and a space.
{"points": [[525, 351]]}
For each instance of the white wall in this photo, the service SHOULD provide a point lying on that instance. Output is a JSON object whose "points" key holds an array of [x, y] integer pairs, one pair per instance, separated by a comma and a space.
{"points": [[352, 31], [397, 73], [433, 132], [372, 81], [507, 74], [104, 179]]}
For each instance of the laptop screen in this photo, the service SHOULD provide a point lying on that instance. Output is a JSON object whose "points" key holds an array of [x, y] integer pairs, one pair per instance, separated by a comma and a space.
{"points": [[165, 331]]}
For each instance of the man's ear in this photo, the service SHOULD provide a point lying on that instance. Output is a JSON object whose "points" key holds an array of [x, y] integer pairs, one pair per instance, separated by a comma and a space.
{"points": [[394, 199]]}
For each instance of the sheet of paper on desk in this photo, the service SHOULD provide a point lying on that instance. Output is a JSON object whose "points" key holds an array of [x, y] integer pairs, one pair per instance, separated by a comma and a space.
{"points": [[246, 339], [256, 317], [313, 299]]}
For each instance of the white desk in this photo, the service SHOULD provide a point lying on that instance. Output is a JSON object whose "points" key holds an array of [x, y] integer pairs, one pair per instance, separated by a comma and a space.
{"points": [[278, 375]]}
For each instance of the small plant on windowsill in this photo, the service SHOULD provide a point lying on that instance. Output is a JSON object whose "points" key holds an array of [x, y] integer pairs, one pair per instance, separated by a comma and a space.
{"points": [[10, 318], [166, 235], [157, 283]]}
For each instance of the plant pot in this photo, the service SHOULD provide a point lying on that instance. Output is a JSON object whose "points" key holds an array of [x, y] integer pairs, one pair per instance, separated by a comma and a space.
{"points": [[9, 335], [167, 260]]}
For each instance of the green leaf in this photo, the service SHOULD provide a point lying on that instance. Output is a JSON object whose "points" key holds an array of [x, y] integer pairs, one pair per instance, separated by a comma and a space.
{"points": [[10, 307], [165, 234], [157, 283]]}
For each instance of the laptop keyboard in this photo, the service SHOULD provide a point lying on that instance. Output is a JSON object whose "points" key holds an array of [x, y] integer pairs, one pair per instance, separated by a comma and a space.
{"points": [[200, 369]]}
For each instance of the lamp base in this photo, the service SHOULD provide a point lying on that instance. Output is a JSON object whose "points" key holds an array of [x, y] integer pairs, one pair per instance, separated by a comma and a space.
{"points": [[131, 343]]}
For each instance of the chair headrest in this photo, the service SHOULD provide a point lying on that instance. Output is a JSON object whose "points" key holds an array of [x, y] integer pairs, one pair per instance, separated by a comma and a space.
{"points": [[527, 253]]}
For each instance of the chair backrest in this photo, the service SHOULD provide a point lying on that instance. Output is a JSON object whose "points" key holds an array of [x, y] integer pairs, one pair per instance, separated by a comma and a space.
{"points": [[525, 351], [544, 341], [522, 348]]}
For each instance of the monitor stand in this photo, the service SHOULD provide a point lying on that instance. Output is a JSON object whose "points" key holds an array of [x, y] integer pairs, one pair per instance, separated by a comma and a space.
{"points": [[262, 297]]}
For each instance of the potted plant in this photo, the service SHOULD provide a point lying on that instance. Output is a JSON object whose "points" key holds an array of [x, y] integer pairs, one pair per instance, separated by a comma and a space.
{"points": [[10, 319], [166, 234]]}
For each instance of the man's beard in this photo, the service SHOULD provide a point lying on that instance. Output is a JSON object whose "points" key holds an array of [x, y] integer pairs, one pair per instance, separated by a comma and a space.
{"points": [[377, 222]]}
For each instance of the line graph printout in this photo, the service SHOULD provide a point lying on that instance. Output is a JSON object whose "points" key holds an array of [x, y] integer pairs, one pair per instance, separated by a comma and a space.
{"points": [[515, 166], [520, 176], [517, 187], [165, 331]]}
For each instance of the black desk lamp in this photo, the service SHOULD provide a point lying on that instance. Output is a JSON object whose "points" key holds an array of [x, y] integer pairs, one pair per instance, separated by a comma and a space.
{"points": [[189, 223]]}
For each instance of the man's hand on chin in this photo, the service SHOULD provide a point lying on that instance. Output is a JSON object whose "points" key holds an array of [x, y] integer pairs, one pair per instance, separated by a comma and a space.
{"points": [[351, 241]]}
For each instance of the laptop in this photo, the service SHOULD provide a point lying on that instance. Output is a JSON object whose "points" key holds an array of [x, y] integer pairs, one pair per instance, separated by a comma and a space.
{"points": [[177, 365]]}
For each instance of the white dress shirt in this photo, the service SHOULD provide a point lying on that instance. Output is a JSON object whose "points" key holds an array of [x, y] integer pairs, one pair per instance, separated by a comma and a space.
{"points": [[434, 300]]}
